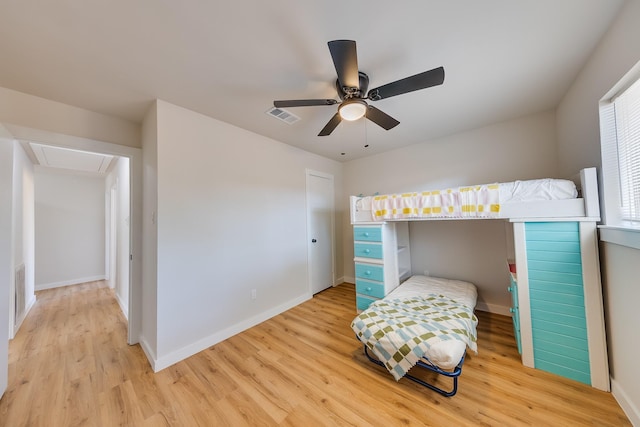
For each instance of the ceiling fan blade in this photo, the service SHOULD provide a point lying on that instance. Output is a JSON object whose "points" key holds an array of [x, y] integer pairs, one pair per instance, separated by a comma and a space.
{"points": [[419, 81], [381, 119], [345, 59], [331, 125], [303, 102]]}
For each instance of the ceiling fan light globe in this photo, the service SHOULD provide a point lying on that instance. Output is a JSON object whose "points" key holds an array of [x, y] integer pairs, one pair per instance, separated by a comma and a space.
{"points": [[352, 110]]}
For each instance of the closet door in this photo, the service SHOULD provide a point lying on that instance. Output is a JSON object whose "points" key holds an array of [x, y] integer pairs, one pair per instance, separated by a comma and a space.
{"points": [[320, 213]]}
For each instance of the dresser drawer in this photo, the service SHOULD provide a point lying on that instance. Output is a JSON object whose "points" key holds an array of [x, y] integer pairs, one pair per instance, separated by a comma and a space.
{"points": [[367, 234], [513, 289], [371, 289], [370, 271], [516, 327], [362, 302], [367, 250]]}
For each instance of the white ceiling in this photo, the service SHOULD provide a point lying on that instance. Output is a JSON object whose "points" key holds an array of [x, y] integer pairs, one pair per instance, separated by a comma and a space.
{"points": [[230, 60], [68, 159]]}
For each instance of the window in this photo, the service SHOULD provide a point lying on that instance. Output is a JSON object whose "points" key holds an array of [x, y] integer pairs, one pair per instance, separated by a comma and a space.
{"points": [[620, 134]]}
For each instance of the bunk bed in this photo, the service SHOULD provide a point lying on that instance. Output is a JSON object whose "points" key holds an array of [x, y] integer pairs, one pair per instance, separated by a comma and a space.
{"points": [[557, 307]]}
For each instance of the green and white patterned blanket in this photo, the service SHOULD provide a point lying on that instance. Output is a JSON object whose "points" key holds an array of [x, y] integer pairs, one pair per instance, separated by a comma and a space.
{"points": [[400, 331]]}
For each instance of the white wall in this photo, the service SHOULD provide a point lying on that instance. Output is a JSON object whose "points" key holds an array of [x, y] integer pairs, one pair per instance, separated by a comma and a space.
{"points": [[38, 113], [579, 146], [231, 217], [70, 228], [118, 178], [523, 148], [6, 250], [24, 224]]}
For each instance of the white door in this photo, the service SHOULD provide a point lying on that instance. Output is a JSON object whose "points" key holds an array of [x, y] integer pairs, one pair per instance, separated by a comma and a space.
{"points": [[320, 213]]}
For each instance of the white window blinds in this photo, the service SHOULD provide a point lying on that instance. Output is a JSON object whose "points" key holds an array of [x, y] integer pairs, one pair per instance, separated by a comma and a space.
{"points": [[627, 129]]}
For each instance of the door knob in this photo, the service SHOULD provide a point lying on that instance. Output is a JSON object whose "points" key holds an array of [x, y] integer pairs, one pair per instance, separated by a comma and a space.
{"points": [[313, 240]]}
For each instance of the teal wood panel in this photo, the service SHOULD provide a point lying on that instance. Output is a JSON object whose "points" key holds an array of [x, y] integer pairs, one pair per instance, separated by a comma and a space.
{"points": [[556, 294], [562, 288], [556, 297], [554, 347], [567, 341], [553, 246], [367, 250], [369, 234], [564, 371], [560, 318], [554, 276], [369, 288], [553, 236], [563, 360], [370, 271], [568, 256], [555, 307], [570, 331], [555, 266], [553, 226]]}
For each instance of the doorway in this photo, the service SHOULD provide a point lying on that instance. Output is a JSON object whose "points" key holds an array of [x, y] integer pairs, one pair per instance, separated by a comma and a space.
{"points": [[320, 230], [129, 199]]}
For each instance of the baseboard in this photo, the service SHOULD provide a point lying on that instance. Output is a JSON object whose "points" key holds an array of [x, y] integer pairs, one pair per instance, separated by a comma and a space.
{"points": [[123, 306], [347, 279], [43, 286], [627, 405], [151, 355], [27, 309], [176, 356], [493, 308]]}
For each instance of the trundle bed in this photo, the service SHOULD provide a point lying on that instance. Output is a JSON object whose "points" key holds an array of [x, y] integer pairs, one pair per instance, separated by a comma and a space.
{"points": [[426, 321]]}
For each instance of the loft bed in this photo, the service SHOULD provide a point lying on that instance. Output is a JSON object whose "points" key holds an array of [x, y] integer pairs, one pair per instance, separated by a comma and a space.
{"points": [[542, 198], [557, 305], [426, 322]]}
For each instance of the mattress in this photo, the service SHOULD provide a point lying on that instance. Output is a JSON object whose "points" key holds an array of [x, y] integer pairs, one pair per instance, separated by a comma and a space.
{"points": [[477, 201], [445, 354]]}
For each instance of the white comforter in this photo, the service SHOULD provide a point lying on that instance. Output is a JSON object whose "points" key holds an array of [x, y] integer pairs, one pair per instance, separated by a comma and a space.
{"points": [[445, 354]]}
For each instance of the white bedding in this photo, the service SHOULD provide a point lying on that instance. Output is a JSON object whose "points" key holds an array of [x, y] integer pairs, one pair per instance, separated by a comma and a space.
{"points": [[445, 354], [534, 190]]}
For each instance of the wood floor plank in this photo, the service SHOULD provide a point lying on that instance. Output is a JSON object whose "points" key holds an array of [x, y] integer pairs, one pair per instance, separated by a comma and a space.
{"points": [[70, 366]]}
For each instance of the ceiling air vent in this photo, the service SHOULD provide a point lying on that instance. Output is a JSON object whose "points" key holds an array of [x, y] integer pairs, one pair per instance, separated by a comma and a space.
{"points": [[283, 115]]}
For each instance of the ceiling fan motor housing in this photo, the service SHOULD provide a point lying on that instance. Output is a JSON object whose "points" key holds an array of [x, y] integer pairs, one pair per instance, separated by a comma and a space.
{"points": [[346, 93]]}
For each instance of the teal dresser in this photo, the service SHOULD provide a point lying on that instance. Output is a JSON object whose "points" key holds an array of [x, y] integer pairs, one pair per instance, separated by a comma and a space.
{"points": [[557, 300], [381, 263], [515, 311]]}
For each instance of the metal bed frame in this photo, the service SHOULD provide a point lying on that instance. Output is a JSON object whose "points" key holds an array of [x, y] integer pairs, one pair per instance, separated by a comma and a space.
{"points": [[433, 368]]}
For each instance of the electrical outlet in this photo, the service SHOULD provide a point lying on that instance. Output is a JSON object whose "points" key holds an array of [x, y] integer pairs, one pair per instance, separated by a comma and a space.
{"points": [[254, 294]]}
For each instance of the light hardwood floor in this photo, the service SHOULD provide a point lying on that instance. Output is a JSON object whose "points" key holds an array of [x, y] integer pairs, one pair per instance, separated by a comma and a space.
{"points": [[70, 366]]}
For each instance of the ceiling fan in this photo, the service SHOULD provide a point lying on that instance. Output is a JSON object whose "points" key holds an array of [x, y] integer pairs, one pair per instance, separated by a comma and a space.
{"points": [[352, 86]]}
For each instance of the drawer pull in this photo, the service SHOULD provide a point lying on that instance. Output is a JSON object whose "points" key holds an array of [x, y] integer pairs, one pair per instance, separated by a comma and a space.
{"points": [[365, 234], [512, 310], [366, 251], [509, 288], [369, 289], [368, 272]]}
